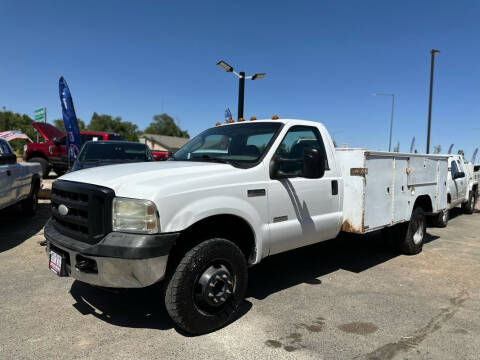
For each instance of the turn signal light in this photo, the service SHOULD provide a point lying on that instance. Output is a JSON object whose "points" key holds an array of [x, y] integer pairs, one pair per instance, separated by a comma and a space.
{"points": [[218, 123], [275, 117], [240, 120], [252, 118], [229, 121]]}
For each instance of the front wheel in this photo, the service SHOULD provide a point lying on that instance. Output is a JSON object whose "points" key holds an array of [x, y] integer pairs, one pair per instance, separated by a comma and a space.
{"points": [[409, 237], [207, 286], [469, 206], [441, 219]]}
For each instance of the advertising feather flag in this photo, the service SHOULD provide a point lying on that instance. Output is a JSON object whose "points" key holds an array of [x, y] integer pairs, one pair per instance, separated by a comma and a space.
{"points": [[74, 141]]}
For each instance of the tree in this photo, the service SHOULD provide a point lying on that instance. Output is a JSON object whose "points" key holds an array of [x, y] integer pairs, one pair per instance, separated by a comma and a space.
{"points": [[61, 126], [115, 124], [397, 147], [15, 121], [164, 124], [437, 149]]}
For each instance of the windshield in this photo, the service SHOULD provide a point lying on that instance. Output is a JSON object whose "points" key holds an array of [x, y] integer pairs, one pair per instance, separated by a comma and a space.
{"points": [[239, 143], [95, 151]]}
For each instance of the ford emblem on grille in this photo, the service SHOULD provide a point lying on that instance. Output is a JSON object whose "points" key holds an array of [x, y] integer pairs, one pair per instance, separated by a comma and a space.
{"points": [[62, 210]]}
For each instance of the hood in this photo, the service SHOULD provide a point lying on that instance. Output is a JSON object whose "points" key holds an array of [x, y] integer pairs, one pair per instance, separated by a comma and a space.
{"points": [[133, 179], [47, 131]]}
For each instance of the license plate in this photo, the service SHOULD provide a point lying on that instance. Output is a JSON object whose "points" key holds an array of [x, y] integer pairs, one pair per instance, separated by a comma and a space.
{"points": [[56, 262]]}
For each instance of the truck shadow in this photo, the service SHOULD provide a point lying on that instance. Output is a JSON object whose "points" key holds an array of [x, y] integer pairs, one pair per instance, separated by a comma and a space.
{"points": [[134, 308], [355, 253], [15, 228], [144, 308]]}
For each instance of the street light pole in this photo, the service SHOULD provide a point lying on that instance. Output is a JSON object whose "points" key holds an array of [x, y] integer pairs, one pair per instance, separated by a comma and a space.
{"points": [[241, 93], [391, 117], [432, 64], [241, 83]]}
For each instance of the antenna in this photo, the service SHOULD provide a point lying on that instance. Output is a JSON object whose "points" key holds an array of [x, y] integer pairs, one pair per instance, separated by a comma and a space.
{"points": [[450, 149], [474, 156], [412, 146]]}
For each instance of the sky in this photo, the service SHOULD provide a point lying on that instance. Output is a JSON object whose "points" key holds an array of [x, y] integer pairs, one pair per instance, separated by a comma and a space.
{"points": [[323, 60]]}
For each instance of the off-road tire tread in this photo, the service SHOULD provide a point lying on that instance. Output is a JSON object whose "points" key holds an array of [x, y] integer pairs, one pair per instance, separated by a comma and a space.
{"points": [[173, 285], [406, 244]]}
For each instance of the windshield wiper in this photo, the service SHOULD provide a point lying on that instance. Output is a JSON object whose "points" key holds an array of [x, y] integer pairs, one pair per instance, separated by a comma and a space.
{"points": [[210, 158]]}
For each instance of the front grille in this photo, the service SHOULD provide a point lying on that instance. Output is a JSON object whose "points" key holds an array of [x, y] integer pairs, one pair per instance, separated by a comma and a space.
{"points": [[89, 216]]}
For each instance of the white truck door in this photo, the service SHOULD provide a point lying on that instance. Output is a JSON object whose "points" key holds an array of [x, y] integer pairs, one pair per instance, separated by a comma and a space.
{"points": [[6, 176], [453, 183], [462, 182], [302, 211], [5, 186]]}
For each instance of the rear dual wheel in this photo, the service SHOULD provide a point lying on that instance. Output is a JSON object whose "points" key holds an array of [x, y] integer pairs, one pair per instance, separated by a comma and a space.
{"points": [[208, 285], [409, 237]]}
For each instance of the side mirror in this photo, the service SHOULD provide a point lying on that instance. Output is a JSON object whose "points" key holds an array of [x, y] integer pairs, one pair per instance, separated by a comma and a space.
{"points": [[56, 142], [459, 175], [313, 164]]}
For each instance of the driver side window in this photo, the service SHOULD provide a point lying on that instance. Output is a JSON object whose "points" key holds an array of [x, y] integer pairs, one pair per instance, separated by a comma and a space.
{"points": [[454, 168], [293, 145]]}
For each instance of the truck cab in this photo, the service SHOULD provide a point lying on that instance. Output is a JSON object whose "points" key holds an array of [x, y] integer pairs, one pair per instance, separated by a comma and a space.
{"points": [[462, 184]]}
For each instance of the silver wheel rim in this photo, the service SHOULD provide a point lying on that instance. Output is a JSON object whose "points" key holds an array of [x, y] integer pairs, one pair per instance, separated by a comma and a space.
{"points": [[445, 216], [419, 232]]}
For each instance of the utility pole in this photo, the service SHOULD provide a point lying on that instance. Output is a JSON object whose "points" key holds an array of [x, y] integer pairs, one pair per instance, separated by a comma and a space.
{"points": [[432, 64], [391, 117]]}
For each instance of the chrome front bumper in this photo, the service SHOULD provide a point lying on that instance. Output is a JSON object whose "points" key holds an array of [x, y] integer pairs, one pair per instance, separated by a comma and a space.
{"points": [[115, 272]]}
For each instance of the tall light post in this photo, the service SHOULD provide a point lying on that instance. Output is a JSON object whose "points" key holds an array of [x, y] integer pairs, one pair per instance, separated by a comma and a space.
{"points": [[391, 117], [241, 83], [432, 53]]}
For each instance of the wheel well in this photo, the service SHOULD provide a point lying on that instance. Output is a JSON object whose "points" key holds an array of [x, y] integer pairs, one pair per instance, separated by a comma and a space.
{"points": [[230, 227], [36, 154], [424, 202]]}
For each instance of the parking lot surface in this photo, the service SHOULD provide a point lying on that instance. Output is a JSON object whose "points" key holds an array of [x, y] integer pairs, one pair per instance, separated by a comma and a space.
{"points": [[351, 297]]}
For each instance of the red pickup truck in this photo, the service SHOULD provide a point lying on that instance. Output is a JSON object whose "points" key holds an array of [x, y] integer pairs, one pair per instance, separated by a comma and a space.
{"points": [[52, 153]]}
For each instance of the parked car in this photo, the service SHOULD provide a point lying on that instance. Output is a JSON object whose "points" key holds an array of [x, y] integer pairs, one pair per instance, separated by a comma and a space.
{"points": [[230, 197], [52, 153], [462, 185], [161, 155], [19, 183], [100, 153]]}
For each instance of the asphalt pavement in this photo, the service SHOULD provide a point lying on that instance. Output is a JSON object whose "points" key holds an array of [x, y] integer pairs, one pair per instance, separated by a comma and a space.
{"points": [[351, 297]]}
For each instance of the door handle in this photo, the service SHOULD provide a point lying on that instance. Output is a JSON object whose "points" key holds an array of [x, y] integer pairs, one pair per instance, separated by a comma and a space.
{"points": [[334, 187]]}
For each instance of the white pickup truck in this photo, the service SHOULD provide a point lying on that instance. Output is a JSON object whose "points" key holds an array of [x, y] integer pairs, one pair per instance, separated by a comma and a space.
{"points": [[230, 197], [462, 187], [19, 183]]}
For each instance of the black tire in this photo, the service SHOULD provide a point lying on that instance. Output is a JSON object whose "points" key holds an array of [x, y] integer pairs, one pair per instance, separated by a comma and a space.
{"points": [[441, 219], [408, 238], [43, 163], [29, 206], [469, 206], [59, 171], [188, 290]]}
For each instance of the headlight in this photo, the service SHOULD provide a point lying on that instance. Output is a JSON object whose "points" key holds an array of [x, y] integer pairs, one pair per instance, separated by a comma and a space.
{"points": [[136, 216]]}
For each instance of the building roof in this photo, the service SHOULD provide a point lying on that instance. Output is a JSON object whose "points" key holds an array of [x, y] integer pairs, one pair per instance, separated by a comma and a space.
{"points": [[168, 142]]}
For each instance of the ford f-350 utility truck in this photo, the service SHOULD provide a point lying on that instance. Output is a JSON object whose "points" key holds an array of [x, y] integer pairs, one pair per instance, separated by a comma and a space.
{"points": [[230, 197]]}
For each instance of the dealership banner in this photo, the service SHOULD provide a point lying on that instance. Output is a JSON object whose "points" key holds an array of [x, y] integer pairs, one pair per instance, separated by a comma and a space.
{"points": [[74, 142]]}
